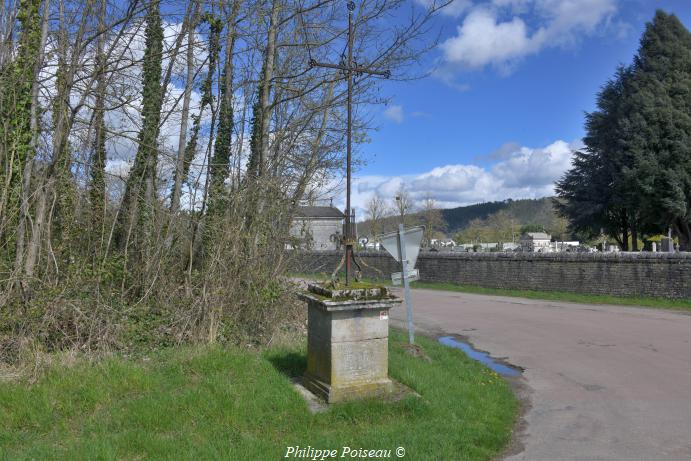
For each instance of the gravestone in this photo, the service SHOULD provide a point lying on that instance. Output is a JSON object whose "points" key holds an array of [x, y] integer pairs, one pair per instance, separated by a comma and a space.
{"points": [[348, 342], [667, 245]]}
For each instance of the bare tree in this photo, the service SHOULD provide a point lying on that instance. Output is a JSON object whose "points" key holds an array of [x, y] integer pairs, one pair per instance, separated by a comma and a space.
{"points": [[375, 210], [136, 136], [434, 221], [402, 204], [189, 22]]}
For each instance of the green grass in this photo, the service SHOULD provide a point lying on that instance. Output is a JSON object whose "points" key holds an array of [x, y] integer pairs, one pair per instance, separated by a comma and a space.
{"points": [[216, 403], [660, 303]]}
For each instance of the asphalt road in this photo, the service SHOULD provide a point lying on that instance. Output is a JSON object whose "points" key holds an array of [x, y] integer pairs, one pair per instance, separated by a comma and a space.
{"points": [[603, 382]]}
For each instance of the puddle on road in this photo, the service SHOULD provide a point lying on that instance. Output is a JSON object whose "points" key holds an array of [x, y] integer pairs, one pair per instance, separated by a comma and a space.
{"points": [[482, 357]]}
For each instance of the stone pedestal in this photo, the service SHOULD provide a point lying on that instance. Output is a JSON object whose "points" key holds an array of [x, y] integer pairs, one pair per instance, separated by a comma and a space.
{"points": [[347, 342]]}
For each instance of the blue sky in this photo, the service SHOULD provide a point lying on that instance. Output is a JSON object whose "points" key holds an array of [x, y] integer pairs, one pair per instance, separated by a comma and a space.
{"points": [[504, 110]]}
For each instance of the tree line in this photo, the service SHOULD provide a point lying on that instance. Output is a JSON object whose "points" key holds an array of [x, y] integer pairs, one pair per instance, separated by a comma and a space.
{"points": [[382, 216], [152, 153], [633, 179], [484, 222]]}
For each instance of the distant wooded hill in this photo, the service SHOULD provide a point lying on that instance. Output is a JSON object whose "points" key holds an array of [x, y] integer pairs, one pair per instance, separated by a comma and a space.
{"points": [[499, 218], [539, 212]]}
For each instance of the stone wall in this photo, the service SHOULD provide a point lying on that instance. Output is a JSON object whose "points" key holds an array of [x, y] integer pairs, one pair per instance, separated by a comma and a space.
{"points": [[619, 274]]}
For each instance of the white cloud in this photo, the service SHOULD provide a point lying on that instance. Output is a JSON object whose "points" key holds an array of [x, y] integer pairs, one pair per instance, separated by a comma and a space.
{"points": [[119, 168], [394, 113], [523, 173], [499, 35], [481, 40], [502, 153], [534, 167]]}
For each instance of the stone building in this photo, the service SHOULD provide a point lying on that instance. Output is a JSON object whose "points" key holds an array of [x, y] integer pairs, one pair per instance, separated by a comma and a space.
{"points": [[317, 227], [538, 242]]}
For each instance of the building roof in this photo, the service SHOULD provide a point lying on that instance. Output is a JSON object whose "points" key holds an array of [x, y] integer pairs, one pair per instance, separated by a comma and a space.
{"points": [[319, 212], [536, 236]]}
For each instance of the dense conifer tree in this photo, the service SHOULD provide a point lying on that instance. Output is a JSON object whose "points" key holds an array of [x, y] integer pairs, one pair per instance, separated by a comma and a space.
{"points": [[634, 178], [659, 127], [593, 189]]}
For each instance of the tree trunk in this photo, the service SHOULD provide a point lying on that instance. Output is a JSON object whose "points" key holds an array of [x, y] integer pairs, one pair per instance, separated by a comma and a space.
{"points": [[683, 230], [37, 230], [138, 207], [625, 233], [17, 79], [265, 91], [97, 190], [178, 178], [219, 168], [59, 177], [207, 99], [8, 18], [28, 169]]}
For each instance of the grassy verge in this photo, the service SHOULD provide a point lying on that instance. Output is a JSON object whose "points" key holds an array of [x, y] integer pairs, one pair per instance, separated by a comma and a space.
{"points": [[215, 403], [660, 303]]}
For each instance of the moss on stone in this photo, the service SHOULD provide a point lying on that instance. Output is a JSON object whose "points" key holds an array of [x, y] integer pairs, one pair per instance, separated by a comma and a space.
{"points": [[354, 291]]}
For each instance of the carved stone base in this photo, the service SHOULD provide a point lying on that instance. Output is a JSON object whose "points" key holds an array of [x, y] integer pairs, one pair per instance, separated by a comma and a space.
{"points": [[348, 345], [345, 392]]}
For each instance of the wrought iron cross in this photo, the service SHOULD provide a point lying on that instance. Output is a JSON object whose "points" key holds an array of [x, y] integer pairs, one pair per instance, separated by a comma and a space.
{"points": [[349, 68]]}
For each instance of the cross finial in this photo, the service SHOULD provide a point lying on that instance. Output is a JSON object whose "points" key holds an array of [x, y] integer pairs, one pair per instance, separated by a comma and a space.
{"points": [[349, 67]]}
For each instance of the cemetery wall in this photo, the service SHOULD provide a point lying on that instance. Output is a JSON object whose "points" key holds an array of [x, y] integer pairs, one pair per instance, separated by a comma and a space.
{"points": [[619, 274]]}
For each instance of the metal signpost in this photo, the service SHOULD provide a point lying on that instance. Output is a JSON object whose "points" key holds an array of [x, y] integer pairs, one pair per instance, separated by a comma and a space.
{"points": [[404, 246], [411, 276], [348, 68]]}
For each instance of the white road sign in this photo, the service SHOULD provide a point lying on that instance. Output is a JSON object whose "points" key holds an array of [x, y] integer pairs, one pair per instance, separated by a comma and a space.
{"points": [[411, 237], [404, 246]]}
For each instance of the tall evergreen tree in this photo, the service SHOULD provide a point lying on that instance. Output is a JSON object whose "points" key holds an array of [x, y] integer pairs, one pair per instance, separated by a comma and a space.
{"points": [[595, 196], [659, 127], [635, 176]]}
